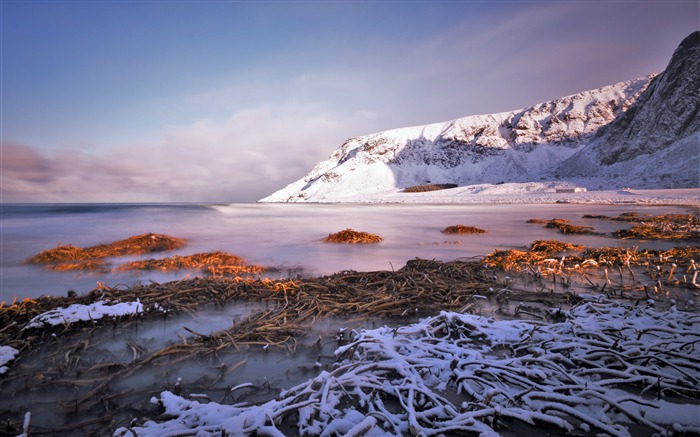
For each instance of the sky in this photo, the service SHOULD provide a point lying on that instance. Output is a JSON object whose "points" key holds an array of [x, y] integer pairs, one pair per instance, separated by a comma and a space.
{"points": [[229, 101]]}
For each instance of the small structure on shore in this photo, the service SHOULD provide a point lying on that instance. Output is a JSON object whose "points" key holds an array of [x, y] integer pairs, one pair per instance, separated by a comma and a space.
{"points": [[570, 190]]}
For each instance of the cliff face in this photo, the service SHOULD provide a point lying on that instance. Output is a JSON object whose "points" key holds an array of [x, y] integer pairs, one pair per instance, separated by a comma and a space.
{"points": [[641, 133], [664, 114]]}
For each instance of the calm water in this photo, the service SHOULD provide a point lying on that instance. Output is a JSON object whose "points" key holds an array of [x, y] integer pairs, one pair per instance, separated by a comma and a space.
{"points": [[274, 235], [283, 235]]}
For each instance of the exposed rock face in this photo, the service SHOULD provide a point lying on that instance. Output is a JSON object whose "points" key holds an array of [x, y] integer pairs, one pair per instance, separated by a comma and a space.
{"points": [[665, 113]]}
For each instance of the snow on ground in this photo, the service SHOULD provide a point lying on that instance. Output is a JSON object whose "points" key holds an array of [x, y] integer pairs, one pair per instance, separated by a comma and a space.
{"points": [[531, 192], [600, 367], [83, 313], [7, 354], [72, 314]]}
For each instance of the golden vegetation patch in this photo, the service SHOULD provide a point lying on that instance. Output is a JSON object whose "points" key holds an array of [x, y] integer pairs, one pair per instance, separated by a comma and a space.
{"points": [[511, 259], [136, 245], [92, 265], [660, 227], [661, 231], [213, 263], [353, 237], [553, 246], [463, 229], [565, 227], [675, 267], [538, 221], [428, 187]]}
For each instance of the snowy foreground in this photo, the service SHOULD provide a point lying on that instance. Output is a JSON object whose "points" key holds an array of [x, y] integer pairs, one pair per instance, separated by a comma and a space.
{"points": [[602, 368]]}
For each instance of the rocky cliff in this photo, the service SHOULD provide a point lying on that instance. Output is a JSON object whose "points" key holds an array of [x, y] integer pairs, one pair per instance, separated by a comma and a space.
{"points": [[656, 142], [666, 113]]}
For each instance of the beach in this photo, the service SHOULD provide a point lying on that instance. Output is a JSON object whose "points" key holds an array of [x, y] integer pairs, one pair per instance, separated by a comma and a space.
{"points": [[291, 352]]}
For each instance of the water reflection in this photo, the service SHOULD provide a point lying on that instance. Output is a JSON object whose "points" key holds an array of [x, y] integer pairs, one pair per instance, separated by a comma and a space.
{"points": [[286, 236]]}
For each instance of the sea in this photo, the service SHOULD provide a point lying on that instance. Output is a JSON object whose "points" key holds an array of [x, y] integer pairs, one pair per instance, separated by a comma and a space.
{"points": [[284, 236], [49, 379]]}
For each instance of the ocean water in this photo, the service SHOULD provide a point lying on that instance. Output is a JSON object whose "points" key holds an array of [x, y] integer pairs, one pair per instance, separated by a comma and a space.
{"points": [[280, 235]]}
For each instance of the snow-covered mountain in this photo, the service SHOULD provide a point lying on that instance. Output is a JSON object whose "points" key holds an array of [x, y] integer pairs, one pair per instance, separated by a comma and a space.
{"points": [[563, 140]]}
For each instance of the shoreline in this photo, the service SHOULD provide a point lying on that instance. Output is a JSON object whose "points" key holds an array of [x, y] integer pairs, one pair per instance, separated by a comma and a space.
{"points": [[518, 194], [480, 295], [188, 342]]}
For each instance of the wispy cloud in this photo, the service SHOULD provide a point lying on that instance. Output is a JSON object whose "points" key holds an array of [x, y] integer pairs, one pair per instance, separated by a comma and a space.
{"points": [[242, 158], [219, 117]]}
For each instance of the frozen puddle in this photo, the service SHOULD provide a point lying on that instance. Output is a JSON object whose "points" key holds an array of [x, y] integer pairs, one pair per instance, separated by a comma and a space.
{"points": [[79, 383], [605, 367]]}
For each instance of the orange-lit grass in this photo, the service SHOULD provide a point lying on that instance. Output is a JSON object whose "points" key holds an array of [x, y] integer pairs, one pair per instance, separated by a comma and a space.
{"points": [[80, 265], [353, 237], [660, 227], [563, 226], [553, 246], [566, 228], [136, 245], [213, 263], [463, 229]]}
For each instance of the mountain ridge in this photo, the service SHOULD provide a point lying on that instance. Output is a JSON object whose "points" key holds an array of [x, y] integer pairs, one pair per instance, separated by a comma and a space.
{"points": [[573, 139]]}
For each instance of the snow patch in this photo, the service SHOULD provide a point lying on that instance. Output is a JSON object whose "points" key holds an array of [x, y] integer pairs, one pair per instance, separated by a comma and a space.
{"points": [[7, 354], [82, 313]]}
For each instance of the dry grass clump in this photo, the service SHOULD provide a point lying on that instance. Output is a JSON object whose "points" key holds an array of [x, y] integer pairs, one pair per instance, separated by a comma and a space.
{"points": [[660, 231], [214, 263], [539, 251], [543, 254], [566, 228], [60, 254], [462, 229], [512, 259], [538, 221], [631, 217], [563, 225], [688, 252], [352, 236], [616, 256], [136, 245], [80, 265], [641, 232], [660, 227], [428, 187], [553, 246]]}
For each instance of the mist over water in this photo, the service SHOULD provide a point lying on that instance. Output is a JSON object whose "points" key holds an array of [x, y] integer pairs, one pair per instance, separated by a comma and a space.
{"points": [[278, 235], [57, 389]]}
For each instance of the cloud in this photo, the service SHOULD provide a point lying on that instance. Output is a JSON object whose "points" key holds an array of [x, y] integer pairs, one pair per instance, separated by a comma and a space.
{"points": [[241, 158], [246, 131]]}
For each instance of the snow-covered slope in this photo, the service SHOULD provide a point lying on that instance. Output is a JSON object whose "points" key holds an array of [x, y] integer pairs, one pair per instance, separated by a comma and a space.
{"points": [[553, 142]]}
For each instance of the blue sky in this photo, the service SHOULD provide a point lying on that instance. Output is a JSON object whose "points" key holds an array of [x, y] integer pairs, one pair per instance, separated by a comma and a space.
{"points": [[229, 101]]}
